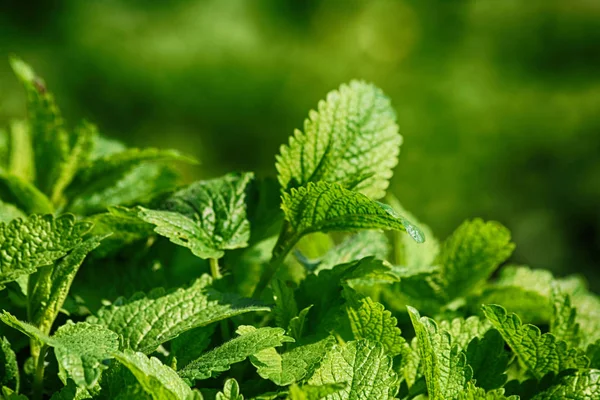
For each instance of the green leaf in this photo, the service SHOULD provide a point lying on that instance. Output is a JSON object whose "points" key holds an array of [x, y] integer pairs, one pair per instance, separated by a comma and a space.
{"points": [[370, 320], [71, 392], [293, 365], [231, 391], [53, 284], [80, 348], [539, 354], [563, 323], [471, 254], [475, 393], [10, 394], [138, 185], [20, 163], [583, 384], [488, 359], [463, 330], [8, 212], [444, 364], [250, 341], [363, 366], [50, 139], [158, 380], [351, 140], [314, 392], [40, 240], [24, 195], [208, 217], [9, 369], [297, 324], [285, 308], [325, 207], [191, 344], [145, 322], [593, 353], [360, 245]]}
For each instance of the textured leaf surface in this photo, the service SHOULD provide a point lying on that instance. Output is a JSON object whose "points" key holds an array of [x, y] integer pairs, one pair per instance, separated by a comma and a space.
{"points": [[540, 354], [27, 244], [250, 341], [370, 320], [471, 254], [314, 392], [463, 330], [475, 393], [9, 369], [231, 391], [208, 217], [360, 245], [582, 385], [158, 380], [563, 323], [328, 207], [80, 348], [352, 139], [363, 366], [145, 322], [489, 360], [444, 364], [124, 227], [293, 365]]}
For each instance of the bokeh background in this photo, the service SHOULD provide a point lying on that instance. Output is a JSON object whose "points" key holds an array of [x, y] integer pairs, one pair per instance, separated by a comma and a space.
{"points": [[498, 101]]}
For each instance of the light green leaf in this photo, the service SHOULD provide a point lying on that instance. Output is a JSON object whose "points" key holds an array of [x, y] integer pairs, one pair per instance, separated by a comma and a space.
{"points": [[27, 244], [250, 341], [52, 285], [158, 380], [463, 330], [8, 212], [363, 366], [10, 394], [20, 163], [488, 359], [410, 363], [297, 324], [444, 364], [231, 391], [471, 254], [582, 385], [370, 320], [80, 348], [24, 195], [351, 140], [191, 344], [293, 365], [208, 217], [328, 207], [49, 137], [475, 393], [360, 245], [145, 322], [314, 392], [138, 185], [9, 369], [539, 354], [563, 323]]}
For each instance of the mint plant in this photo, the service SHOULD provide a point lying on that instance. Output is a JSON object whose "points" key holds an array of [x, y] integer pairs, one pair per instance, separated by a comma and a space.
{"points": [[117, 281]]}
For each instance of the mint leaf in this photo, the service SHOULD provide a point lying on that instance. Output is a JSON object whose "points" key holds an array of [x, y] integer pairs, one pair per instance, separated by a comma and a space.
{"points": [[583, 384], [51, 142], [231, 391], [24, 195], [293, 365], [471, 254], [208, 217], [363, 366], [563, 323], [285, 308], [250, 341], [351, 140], [157, 380], [593, 353], [191, 344], [325, 207], [21, 158], [9, 369], [539, 354], [444, 364], [314, 392], [27, 244], [8, 212], [475, 393], [370, 320], [80, 348], [145, 322], [463, 330], [488, 359]]}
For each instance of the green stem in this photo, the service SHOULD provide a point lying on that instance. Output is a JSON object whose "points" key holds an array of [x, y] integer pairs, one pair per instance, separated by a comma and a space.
{"points": [[214, 268], [38, 377]]}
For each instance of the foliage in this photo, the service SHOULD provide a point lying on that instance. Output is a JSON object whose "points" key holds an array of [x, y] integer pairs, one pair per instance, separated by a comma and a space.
{"points": [[333, 322]]}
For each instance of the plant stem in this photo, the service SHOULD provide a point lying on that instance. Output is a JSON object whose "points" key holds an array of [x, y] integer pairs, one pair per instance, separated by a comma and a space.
{"points": [[38, 377], [214, 268]]}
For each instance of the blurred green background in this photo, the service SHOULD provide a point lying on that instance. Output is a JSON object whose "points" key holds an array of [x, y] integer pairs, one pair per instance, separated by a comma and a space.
{"points": [[498, 101]]}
